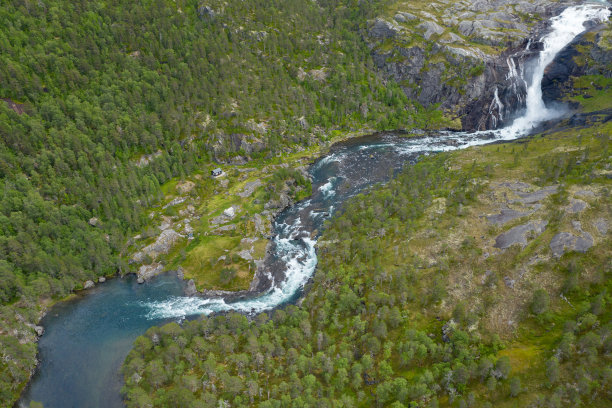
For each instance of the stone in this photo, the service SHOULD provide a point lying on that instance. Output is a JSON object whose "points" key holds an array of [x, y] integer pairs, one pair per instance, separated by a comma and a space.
{"points": [[429, 16], [575, 206], [430, 29], [403, 17], [229, 227], [249, 188], [176, 201], [454, 38], [88, 284], [229, 212], [585, 193], [509, 282], [601, 224], [180, 272], [565, 241], [94, 222], [39, 330], [505, 215], [164, 242], [190, 289], [303, 122], [101, 279], [246, 255], [382, 29], [140, 280], [518, 234], [206, 12], [146, 272], [536, 196]]}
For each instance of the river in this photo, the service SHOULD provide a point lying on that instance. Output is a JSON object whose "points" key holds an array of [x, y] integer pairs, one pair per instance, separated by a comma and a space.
{"points": [[86, 339]]}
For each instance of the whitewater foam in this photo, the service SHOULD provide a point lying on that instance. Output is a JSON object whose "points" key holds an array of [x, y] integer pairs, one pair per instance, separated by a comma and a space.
{"points": [[564, 28], [297, 249]]}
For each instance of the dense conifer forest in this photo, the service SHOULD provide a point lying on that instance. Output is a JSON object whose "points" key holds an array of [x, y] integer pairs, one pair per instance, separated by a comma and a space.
{"points": [[89, 89], [106, 107]]}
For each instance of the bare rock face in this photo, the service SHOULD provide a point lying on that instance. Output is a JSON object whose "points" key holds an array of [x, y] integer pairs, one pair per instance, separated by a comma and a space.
{"points": [[519, 234], [565, 241], [382, 29], [576, 206], [162, 245], [601, 224], [430, 28], [536, 196], [146, 272], [403, 17], [505, 215], [191, 290], [94, 222], [492, 88]]}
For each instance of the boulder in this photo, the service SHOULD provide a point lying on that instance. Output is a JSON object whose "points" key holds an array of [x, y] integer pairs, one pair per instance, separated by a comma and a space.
{"points": [[101, 279], [94, 222], [518, 234], [504, 216], [403, 17], [430, 29], [382, 29], [601, 224], [146, 272], [576, 206], [162, 245], [88, 284], [206, 12], [230, 212], [190, 289], [565, 241], [536, 196]]}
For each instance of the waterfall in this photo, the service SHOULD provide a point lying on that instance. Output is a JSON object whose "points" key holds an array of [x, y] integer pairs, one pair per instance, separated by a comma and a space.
{"points": [[295, 246], [564, 28]]}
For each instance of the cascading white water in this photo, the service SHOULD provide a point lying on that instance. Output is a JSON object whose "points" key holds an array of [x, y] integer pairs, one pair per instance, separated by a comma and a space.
{"points": [[301, 260], [565, 27]]}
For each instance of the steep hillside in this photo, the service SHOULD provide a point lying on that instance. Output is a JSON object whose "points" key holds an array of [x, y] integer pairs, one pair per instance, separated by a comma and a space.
{"points": [[461, 56], [104, 102], [475, 278], [478, 278]]}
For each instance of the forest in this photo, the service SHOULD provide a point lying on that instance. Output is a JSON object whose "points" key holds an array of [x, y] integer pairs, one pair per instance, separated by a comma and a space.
{"points": [[90, 89], [405, 312]]}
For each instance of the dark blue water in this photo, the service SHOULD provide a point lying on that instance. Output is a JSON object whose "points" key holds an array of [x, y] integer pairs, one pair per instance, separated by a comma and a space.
{"points": [[86, 340]]}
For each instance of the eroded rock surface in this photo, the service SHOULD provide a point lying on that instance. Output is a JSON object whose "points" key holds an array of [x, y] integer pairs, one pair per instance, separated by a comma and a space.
{"points": [[146, 272], [162, 245], [520, 234], [505, 215], [565, 241]]}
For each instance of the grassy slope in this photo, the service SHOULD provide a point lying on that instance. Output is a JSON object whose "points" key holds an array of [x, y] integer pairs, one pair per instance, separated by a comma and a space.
{"points": [[433, 267]]}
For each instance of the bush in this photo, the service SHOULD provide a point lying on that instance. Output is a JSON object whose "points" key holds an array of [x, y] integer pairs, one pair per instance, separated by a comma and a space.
{"points": [[540, 302]]}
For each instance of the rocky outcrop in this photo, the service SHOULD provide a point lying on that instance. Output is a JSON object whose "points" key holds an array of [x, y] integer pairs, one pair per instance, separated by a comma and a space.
{"points": [[566, 241], [162, 245], [520, 234], [587, 54], [146, 272], [437, 55]]}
